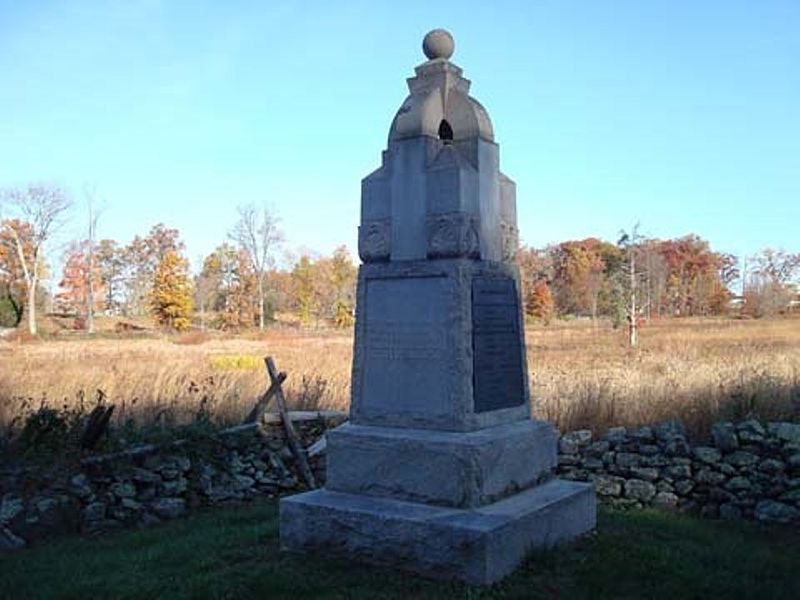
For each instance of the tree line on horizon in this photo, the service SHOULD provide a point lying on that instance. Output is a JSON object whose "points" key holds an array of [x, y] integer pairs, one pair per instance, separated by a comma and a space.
{"points": [[240, 286], [150, 277], [643, 278]]}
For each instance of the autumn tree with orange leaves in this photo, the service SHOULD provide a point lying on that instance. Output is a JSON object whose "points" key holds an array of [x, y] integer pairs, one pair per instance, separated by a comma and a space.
{"points": [[141, 259], [226, 288], [75, 282], [592, 277], [582, 270], [540, 304]]}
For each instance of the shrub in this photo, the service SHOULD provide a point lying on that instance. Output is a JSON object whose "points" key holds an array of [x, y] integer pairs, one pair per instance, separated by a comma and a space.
{"points": [[48, 430], [237, 361], [191, 338]]}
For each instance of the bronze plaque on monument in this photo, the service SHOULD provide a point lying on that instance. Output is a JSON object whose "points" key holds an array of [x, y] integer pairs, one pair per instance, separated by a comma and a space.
{"points": [[496, 350]]}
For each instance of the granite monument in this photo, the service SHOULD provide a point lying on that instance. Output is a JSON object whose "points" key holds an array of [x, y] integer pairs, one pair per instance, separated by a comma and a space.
{"points": [[441, 469]]}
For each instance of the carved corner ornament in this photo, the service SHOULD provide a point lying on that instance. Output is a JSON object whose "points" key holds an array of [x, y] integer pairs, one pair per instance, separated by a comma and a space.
{"points": [[374, 240], [453, 235], [509, 240]]}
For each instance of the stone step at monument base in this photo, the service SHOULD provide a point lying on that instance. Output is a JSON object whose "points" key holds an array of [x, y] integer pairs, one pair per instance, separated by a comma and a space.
{"points": [[477, 545], [449, 468]]}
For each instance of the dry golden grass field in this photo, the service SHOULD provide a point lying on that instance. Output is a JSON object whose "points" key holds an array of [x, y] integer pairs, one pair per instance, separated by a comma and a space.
{"points": [[582, 375]]}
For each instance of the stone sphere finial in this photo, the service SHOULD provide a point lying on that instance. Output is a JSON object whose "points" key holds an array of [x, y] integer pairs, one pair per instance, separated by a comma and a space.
{"points": [[438, 43]]}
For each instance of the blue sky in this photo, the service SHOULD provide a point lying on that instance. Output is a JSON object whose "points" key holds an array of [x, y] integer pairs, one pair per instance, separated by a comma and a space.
{"points": [[682, 115]]}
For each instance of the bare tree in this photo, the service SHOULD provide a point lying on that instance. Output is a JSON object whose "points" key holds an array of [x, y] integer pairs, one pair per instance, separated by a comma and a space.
{"points": [[90, 193], [630, 242], [257, 234], [769, 287], [656, 273], [778, 266], [42, 207]]}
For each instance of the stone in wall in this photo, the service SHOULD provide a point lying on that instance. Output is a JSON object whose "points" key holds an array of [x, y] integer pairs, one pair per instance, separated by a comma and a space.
{"points": [[747, 470]]}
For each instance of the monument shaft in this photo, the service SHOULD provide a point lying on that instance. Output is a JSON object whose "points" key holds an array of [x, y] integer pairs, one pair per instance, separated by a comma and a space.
{"points": [[441, 469]]}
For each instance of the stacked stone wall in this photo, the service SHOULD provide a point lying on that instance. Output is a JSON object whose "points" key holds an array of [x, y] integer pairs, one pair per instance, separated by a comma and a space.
{"points": [[148, 484], [747, 470]]}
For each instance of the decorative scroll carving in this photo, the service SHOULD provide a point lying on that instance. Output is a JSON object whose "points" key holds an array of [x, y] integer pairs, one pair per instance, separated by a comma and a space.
{"points": [[374, 240], [509, 241], [452, 235]]}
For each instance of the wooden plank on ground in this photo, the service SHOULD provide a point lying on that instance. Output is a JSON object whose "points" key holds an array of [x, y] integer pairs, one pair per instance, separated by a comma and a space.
{"points": [[304, 415]]}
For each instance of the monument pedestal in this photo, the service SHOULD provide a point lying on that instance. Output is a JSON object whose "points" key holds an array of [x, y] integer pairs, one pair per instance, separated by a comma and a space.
{"points": [[479, 545], [462, 470], [466, 505]]}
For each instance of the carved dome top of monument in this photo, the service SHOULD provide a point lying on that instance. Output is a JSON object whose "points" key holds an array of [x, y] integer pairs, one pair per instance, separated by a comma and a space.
{"points": [[439, 100], [438, 43]]}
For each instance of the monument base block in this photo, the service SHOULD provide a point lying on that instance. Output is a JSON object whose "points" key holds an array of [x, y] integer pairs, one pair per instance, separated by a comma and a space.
{"points": [[477, 545], [447, 468]]}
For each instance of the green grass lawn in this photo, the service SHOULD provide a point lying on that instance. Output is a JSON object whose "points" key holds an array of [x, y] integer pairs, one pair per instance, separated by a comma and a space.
{"points": [[233, 553]]}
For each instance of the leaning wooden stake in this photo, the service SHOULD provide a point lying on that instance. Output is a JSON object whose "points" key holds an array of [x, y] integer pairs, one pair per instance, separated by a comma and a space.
{"points": [[257, 414], [291, 435], [96, 426]]}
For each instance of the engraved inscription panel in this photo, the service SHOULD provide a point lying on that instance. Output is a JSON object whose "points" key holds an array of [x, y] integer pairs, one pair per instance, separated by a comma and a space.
{"points": [[497, 352], [396, 340], [406, 350]]}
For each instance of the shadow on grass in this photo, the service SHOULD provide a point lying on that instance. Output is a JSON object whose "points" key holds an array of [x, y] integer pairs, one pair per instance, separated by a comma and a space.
{"points": [[234, 553]]}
